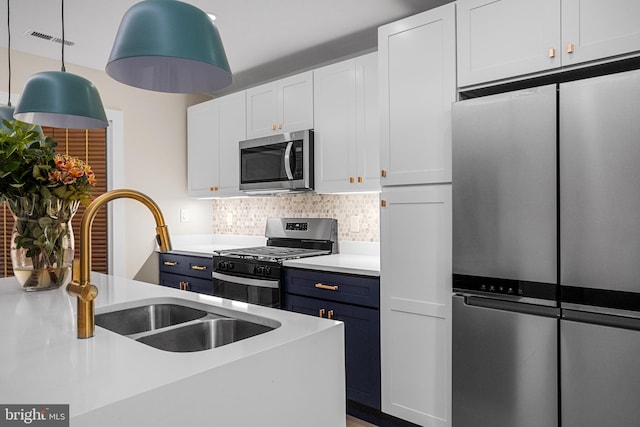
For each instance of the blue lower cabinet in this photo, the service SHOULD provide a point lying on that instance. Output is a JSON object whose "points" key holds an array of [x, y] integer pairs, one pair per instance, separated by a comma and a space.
{"points": [[362, 338], [186, 272]]}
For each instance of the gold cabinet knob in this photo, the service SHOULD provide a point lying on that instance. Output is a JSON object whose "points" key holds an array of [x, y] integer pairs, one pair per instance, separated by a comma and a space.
{"points": [[279, 125], [351, 180], [273, 127], [383, 203], [570, 47], [552, 52], [359, 179], [330, 314], [383, 173], [321, 312]]}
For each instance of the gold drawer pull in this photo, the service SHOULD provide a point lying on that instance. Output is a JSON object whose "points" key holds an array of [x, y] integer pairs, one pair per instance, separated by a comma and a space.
{"points": [[198, 267], [321, 312], [569, 47], [383, 173], [351, 180], [170, 263], [359, 179], [330, 314], [552, 52], [327, 287]]}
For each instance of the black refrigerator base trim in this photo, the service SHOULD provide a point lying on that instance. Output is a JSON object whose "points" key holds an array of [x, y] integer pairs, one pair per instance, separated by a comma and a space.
{"points": [[508, 287], [620, 300]]}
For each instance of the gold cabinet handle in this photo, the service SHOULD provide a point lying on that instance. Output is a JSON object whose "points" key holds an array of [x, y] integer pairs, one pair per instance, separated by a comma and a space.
{"points": [[383, 203], [273, 127], [170, 263], [330, 314], [359, 179], [552, 52], [181, 286], [383, 173], [570, 47], [351, 180], [279, 125], [213, 188], [184, 286], [199, 267], [321, 312], [327, 287]]}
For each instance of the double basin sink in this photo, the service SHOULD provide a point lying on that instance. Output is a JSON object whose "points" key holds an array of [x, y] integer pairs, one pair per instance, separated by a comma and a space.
{"points": [[175, 327]]}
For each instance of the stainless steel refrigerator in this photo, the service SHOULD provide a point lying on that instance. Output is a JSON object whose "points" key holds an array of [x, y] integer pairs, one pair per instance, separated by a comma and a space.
{"points": [[546, 204], [505, 315], [599, 131]]}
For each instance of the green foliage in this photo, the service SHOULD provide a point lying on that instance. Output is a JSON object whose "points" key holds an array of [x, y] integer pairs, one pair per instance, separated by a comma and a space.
{"points": [[26, 158]]}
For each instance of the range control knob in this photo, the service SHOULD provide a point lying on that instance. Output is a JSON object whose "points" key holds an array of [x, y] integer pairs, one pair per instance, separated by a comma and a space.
{"points": [[267, 271], [259, 270], [222, 265], [230, 265]]}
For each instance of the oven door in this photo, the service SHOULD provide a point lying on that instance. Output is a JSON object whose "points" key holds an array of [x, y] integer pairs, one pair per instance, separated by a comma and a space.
{"points": [[247, 289]]}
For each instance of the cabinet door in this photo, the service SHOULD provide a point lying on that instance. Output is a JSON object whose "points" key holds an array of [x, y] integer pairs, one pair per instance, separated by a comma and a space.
{"points": [[202, 149], [415, 303], [504, 38], [417, 88], [295, 103], [231, 128], [262, 110], [335, 127], [367, 123], [599, 29], [362, 344]]}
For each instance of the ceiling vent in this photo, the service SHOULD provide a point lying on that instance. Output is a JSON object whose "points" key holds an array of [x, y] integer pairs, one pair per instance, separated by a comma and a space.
{"points": [[48, 37]]}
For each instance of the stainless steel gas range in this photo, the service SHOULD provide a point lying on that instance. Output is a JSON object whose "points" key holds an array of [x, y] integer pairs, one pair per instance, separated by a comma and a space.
{"points": [[254, 275]]}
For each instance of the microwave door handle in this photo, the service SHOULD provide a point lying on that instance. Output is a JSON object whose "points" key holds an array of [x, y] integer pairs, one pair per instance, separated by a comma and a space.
{"points": [[287, 160]]}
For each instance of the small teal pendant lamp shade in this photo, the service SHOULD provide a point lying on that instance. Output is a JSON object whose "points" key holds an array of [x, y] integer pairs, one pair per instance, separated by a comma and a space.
{"points": [[169, 46], [63, 100], [60, 99], [6, 111]]}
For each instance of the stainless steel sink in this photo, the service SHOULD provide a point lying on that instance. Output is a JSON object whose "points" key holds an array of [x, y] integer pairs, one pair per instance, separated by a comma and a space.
{"points": [[204, 335], [147, 318], [169, 325]]}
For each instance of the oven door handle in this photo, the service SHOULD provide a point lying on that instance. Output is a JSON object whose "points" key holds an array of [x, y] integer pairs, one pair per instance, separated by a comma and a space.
{"points": [[247, 281], [287, 160]]}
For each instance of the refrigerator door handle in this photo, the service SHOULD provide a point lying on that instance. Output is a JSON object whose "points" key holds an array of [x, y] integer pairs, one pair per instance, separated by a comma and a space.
{"points": [[602, 319], [495, 304]]}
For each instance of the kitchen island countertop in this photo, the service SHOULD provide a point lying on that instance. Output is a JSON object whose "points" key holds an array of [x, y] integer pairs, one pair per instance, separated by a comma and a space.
{"points": [[112, 380]]}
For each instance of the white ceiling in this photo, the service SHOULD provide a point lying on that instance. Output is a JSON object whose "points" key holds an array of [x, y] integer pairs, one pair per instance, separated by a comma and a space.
{"points": [[263, 39]]}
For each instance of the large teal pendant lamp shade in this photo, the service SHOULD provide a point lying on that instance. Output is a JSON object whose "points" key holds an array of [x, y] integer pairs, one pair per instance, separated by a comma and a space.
{"points": [[60, 99], [169, 46]]}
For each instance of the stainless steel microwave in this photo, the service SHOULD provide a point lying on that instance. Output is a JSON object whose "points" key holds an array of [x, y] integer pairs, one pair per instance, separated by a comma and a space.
{"points": [[277, 164]]}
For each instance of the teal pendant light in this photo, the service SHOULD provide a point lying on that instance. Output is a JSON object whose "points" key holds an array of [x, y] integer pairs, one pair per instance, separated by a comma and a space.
{"points": [[60, 99], [169, 46]]}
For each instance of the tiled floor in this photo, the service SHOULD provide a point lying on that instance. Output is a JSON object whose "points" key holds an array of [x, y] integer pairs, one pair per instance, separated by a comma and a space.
{"points": [[354, 422]]}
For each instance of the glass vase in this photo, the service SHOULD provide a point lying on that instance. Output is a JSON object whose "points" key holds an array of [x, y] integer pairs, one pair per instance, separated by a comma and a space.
{"points": [[42, 241]]}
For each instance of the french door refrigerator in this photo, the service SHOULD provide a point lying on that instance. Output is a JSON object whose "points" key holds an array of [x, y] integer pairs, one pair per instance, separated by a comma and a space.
{"points": [[600, 251], [505, 310]]}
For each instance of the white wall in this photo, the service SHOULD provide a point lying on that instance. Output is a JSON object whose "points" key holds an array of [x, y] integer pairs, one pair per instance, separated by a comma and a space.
{"points": [[155, 158]]}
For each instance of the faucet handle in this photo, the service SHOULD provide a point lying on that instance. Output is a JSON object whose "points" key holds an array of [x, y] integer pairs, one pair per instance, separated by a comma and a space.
{"points": [[87, 292]]}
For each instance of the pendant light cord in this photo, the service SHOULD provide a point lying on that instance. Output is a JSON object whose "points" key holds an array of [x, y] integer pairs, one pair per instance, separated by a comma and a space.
{"points": [[62, 14], [9, 49]]}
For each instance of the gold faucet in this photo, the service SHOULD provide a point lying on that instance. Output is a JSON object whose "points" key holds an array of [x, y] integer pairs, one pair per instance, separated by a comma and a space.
{"points": [[81, 286]]}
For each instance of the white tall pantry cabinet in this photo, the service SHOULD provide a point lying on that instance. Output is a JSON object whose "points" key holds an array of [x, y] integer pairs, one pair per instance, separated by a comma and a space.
{"points": [[417, 89]]}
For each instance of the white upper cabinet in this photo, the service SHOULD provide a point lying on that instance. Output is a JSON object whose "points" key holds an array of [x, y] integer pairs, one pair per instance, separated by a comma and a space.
{"points": [[282, 106], [593, 30], [417, 87], [501, 39], [214, 129], [346, 137]]}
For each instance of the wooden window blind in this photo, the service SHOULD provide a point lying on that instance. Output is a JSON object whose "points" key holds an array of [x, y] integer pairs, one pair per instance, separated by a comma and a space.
{"points": [[91, 146]]}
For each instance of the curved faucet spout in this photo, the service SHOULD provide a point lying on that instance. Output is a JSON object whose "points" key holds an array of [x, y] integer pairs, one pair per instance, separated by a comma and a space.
{"points": [[81, 285]]}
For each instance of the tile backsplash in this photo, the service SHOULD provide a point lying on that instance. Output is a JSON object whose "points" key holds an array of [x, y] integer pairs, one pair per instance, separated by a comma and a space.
{"points": [[358, 215]]}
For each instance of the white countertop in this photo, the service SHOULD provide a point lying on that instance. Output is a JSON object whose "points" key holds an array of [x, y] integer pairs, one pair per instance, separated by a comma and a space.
{"points": [[365, 265], [42, 361]]}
